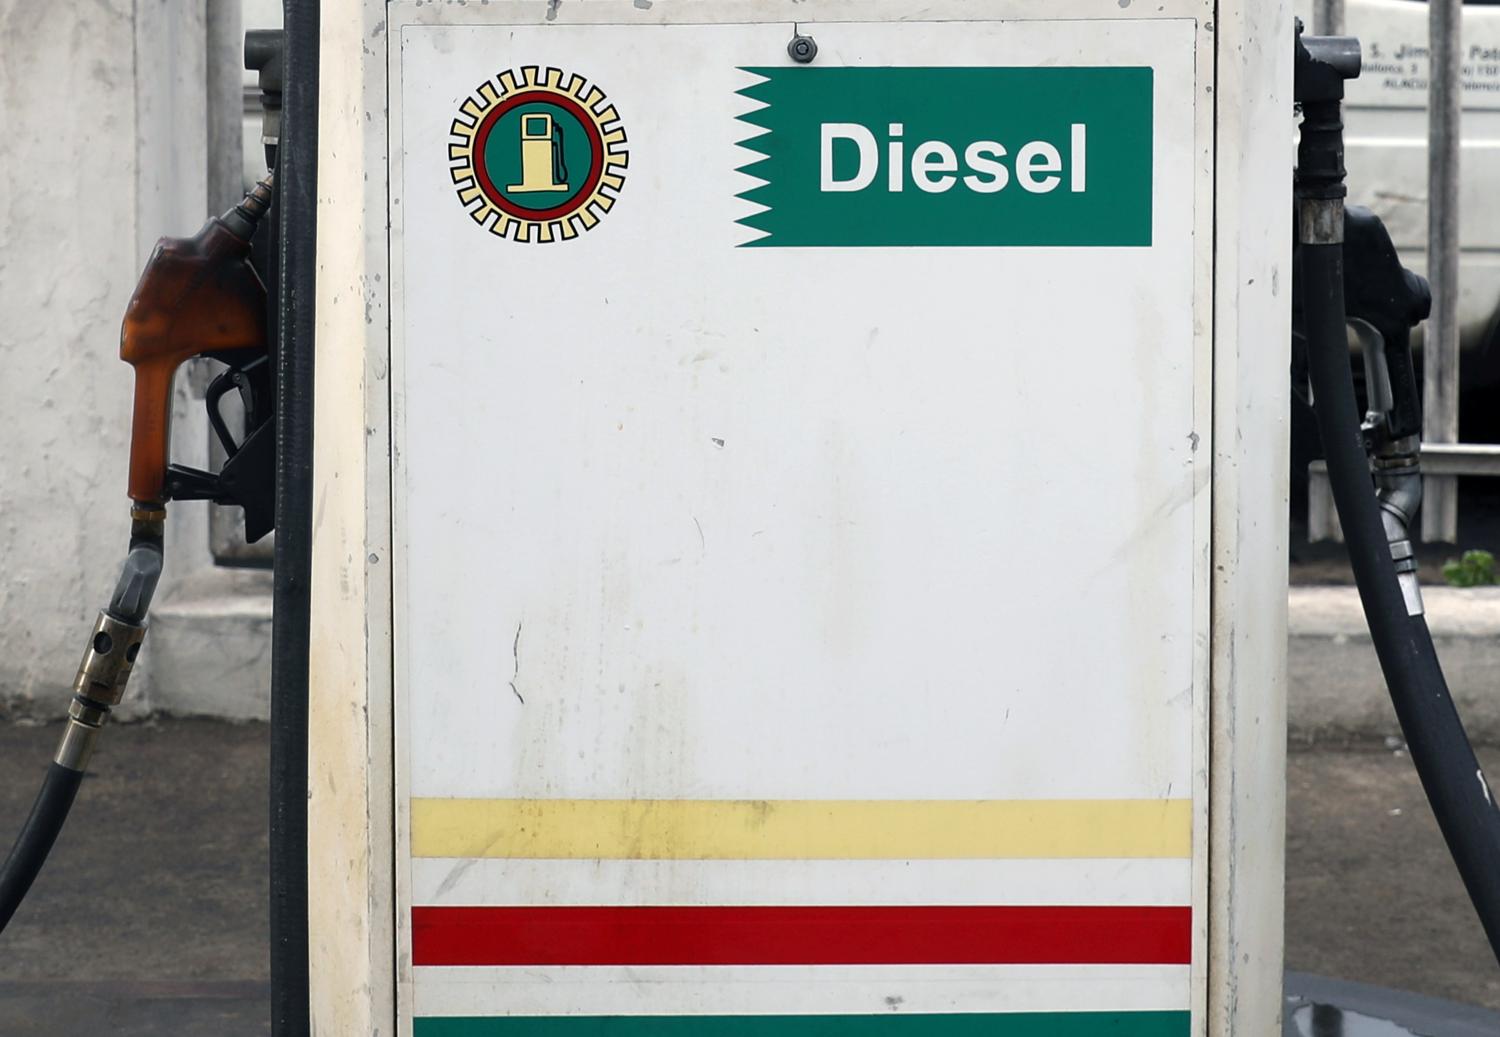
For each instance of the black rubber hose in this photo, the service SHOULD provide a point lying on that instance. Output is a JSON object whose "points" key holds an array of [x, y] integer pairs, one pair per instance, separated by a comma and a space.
{"points": [[36, 837], [129, 604], [1451, 776], [297, 213]]}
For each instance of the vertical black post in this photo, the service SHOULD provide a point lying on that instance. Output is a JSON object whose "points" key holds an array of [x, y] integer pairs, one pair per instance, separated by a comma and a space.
{"points": [[297, 223]]}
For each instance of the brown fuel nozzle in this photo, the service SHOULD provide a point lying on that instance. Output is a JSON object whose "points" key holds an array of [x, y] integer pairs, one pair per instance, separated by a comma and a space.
{"points": [[197, 296]]}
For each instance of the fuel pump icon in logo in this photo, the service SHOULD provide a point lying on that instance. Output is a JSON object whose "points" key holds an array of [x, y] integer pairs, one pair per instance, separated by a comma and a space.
{"points": [[542, 164], [537, 155]]}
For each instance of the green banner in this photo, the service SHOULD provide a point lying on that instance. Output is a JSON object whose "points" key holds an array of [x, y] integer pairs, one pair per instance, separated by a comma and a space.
{"points": [[1018, 1024], [950, 156]]}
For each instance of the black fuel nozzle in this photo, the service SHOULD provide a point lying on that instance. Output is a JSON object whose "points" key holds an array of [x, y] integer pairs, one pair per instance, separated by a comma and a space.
{"points": [[1388, 300], [1383, 302], [1359, 281]]}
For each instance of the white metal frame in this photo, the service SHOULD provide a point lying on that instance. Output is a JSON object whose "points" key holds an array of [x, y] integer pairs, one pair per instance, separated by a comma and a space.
{"points": [[1252, 330], [350, 787]]}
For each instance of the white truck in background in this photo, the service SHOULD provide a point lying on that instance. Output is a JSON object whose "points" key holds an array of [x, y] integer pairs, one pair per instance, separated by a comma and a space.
{"points": [[1386, 140]]}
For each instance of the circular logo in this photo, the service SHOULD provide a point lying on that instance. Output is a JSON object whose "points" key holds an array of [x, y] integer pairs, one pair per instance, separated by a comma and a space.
{"points": [[537, 155]]}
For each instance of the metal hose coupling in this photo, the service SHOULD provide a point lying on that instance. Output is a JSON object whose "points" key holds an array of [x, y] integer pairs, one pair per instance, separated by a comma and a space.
{"points": [[115, 641], [98, 687], [1398, 487]]}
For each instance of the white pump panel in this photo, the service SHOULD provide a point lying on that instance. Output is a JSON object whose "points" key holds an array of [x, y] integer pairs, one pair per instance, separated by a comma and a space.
{"points": [[795, 551]]}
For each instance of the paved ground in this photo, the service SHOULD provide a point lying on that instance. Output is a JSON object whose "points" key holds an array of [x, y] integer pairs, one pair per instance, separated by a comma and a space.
{"points": [[155, 896], [156, 893], [1371, 892]]}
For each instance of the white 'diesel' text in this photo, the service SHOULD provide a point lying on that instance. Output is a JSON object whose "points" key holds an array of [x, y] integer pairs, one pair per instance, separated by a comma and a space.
{"points": [[934, 165]]}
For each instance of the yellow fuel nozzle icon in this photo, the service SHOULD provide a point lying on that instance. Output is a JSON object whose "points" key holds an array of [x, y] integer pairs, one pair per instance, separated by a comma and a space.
{"points": [[542, 167]]}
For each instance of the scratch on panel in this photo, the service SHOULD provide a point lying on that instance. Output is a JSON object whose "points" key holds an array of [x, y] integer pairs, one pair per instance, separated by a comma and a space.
{"points": [[515, 655], [454, 874]]}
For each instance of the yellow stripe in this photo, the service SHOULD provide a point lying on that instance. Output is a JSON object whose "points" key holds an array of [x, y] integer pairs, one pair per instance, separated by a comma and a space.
{"points": [[687, 829]]}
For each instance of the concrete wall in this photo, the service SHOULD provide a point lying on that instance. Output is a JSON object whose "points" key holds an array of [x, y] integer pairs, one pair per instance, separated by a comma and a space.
{"points": [[68, 261], [103, 124]]}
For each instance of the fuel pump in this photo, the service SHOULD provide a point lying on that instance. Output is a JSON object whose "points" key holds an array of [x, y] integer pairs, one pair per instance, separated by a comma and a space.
{"points": [[543, 166], [198, 297], [201, 296]]}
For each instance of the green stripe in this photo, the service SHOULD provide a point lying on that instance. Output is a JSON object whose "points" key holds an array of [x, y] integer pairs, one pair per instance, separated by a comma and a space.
{"points": [[1016, 1024]]}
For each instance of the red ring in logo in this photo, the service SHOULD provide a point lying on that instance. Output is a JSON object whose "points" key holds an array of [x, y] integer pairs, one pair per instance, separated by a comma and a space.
{"points": [[596, 163]]}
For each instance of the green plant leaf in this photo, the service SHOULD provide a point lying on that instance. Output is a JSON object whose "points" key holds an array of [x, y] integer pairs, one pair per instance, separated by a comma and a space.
{"points": [[1475, 569]]}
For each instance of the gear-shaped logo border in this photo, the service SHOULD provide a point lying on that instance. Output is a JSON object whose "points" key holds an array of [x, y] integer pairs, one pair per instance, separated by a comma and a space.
{"points": [[484, 202]]}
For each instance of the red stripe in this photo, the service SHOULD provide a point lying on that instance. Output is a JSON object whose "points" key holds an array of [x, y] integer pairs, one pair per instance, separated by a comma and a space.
{"points": [[801, 935]]}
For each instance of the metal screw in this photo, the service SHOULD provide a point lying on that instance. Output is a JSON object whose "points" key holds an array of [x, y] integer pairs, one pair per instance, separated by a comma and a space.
{"points": [[802, 48]]}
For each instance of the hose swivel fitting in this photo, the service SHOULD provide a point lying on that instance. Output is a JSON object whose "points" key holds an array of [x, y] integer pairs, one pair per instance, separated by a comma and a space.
{"points": [[1398, 487], [114, 643], [99, 686], [242, 220]]}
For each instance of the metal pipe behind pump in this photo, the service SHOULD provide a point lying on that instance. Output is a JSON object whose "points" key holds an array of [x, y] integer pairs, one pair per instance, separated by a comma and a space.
{"points": [[1440, 359]]}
